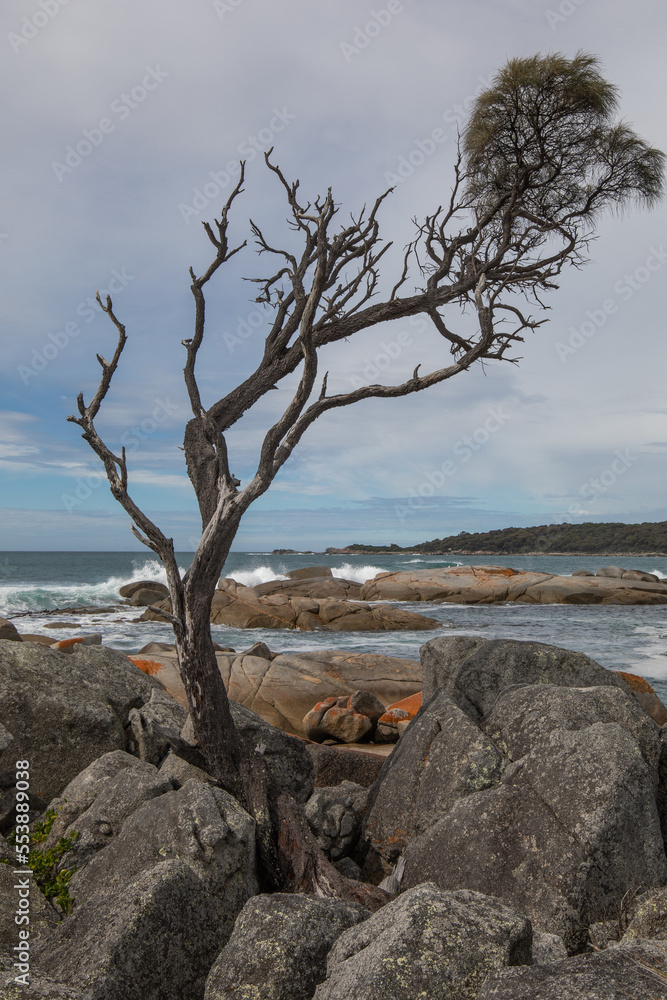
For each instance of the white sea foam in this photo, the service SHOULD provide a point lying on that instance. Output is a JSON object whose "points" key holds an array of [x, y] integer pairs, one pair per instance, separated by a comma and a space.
{"points": [[47, 596], [253, 577], [359, 574], [659, 574]]}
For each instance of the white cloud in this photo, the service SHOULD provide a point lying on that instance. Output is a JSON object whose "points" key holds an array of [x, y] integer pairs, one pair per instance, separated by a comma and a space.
{"points": [[17, 450], [118, 211]]}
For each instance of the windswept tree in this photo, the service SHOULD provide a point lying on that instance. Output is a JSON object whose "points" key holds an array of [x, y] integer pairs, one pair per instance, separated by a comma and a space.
{"points": [[541, 159]]}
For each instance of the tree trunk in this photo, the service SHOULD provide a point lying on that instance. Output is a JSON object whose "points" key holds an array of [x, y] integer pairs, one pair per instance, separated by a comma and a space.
{"points": [[289, 856], [215, 732]]}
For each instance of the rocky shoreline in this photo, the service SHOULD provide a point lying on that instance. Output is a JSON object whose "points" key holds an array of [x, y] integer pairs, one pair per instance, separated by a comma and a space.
{"points": [[500, 584], [312, 599], [517, 827]]}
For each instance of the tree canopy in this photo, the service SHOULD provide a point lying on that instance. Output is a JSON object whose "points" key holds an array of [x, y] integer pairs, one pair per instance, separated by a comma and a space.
{"points": [[544, 136]]}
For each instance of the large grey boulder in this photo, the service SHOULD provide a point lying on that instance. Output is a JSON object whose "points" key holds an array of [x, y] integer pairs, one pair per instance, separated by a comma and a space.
{"points": [[64, 710], [5, 739], [83, 789], [474, 671], [286, 756], [202, 826], [160, 712], [7, 785], [6, 852], [42, 914], [41, 987], [128, 590], [334, 764], [569, 830], [662, 783], [155, 941], [441, 757], [649, 917], [547, 948], [98, 801], [335, 816], [523, 717], [426, 943], [9, 631], [278, 949], [313, 585], [637, 973]]}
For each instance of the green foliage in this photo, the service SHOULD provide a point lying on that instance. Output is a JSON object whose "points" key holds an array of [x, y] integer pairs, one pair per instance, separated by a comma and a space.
{"points": [[542, 140], [42, 827], [584, 539], [53, 884], [648, 538]]}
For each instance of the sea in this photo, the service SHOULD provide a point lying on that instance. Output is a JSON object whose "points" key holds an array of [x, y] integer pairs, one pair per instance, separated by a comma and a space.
{"points": [[618, 637]]}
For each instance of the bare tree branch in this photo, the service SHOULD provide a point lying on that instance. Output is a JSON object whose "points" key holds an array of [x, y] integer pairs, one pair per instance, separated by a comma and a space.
{"points": [[539, 160]]}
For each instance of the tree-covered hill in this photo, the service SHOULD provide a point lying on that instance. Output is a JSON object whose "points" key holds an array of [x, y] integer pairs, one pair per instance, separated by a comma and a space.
{"points": [[648, 538]]}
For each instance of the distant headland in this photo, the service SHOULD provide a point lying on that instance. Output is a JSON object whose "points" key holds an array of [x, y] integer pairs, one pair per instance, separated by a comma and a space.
{"points": [[646, 539]]}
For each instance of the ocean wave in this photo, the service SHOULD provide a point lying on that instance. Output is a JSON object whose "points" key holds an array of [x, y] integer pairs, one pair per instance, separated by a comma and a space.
{"points": [[358, 574], [49, 596], [253, 577], [660, 575]]}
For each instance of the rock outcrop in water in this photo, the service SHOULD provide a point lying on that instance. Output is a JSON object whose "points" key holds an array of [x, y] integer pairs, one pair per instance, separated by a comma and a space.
{"points": [[496, 584], [245, 607]]}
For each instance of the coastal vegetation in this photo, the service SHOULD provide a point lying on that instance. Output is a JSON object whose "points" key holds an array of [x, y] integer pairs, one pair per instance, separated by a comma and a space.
{"points": [[590, 538], [51, 879]]}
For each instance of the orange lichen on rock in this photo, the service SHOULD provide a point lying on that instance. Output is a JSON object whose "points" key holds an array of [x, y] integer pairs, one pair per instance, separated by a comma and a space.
{"points": [[634, 682], [148, 666], [67, 643], [646, 696], [393, 716], [324, 706], [411, 705]]}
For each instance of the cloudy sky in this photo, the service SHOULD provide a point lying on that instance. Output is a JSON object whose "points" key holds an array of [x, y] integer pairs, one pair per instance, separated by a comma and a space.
{"points": [[122, 125]]}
